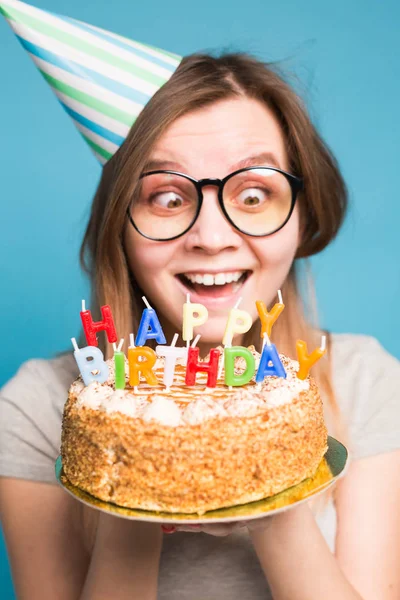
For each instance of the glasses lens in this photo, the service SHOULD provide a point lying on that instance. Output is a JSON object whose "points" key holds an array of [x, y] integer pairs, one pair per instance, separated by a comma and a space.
{"points": [[164, 205], [258, 201]]}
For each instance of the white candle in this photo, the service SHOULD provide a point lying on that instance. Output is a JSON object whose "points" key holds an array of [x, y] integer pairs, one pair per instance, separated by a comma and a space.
{"points": [[91, 370], [190, 321], [171, 354]]}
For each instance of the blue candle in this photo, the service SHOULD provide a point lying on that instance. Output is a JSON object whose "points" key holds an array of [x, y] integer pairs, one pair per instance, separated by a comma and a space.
{"points": [[270, 355], [149, 327], [91, 370]]}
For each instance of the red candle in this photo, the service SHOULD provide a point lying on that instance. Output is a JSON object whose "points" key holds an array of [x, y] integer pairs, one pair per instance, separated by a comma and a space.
{"points": [[193, 366], [91, 328]]}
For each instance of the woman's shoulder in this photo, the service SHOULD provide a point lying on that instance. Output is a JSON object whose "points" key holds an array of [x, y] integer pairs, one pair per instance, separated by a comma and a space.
{"points": [[31, 408], [40, 375], [366, 379], [360, 354]]}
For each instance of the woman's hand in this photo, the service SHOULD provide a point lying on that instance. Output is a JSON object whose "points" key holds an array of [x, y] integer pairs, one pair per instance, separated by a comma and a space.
{"points": [[125, 560], [221, 529]]}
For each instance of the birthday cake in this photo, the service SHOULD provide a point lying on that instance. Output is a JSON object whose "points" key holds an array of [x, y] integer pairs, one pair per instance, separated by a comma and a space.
{"points": [[191, 449]]}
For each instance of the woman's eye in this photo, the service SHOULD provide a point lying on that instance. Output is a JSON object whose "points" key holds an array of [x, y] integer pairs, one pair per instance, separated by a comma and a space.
{"points": [[252, 197], [167, 200]]}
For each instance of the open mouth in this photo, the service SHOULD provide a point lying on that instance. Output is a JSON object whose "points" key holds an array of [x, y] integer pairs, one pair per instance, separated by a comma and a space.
{"points": [[214, 284]]}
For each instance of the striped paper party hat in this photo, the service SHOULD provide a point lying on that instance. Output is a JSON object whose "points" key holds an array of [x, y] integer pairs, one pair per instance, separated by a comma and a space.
{"points": [[102, 80]]}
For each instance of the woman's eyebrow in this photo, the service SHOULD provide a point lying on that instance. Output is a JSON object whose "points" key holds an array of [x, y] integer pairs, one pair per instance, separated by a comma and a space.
{"points": [[265, 158]]}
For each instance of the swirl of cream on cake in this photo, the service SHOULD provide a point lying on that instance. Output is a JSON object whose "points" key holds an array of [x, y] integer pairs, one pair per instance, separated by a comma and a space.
{"points": [[184, 405]]}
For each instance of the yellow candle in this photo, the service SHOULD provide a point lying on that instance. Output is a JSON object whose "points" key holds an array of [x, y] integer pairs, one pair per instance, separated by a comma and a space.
{"points": [[268, 318], [239, 321], [144, 366], [190, 320], [306, 361]]}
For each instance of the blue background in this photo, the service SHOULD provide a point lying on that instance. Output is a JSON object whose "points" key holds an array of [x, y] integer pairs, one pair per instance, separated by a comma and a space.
{"points": [[346, 55]]}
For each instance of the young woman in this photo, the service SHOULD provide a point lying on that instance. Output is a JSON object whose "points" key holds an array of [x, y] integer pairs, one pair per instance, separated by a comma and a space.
{"points": [[270, 193]]}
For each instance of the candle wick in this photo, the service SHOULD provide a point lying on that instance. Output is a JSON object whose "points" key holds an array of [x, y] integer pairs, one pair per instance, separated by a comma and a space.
{"points": [[75, 345], [238, 302], [323, 343], [174, 339], [131, 340], [196, 339], [146, 302], [114, 347], [83, 306], [280, 297], [188, 298], [267, 340], [120, 345]]}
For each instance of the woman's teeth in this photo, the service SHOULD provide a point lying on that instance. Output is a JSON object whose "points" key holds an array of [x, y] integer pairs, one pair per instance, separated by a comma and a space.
{"points": [[214, 279], [214, 284]]}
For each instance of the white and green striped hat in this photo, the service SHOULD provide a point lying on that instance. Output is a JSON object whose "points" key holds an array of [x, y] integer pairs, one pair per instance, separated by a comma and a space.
{"points": [[102, 80]]}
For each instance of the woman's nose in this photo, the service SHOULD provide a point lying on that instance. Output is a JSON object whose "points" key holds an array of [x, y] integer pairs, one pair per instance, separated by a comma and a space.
{"points": [[212, 232]]}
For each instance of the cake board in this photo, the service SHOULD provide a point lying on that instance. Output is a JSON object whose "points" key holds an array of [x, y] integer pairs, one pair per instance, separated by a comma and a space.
{"points": [[331, 468]]}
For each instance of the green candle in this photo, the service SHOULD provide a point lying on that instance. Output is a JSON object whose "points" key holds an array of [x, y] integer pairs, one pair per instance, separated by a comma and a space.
{"points": [[119, 362], [229, 357]]}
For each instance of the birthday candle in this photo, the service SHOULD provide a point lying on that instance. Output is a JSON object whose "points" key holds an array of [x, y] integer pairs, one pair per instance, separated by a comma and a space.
{"points": [[230, 354], [149, 326], [239, 321], [269, 355], [144, 367], [306, 361], [269, 318], [170, 353], [194, 366], [95, 369], [119, 363], [91, 328], [190, 320]]}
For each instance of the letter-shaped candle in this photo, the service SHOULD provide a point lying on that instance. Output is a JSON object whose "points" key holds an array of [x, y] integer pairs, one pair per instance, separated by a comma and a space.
{"points": [[95, 369], [270, 355], [194, 366], [230, 354], [170, 353], [268, 318], [306, 361], [190, 321], [149, 327], [91, 327], [144, 366], [239, 321], [119, 364]]}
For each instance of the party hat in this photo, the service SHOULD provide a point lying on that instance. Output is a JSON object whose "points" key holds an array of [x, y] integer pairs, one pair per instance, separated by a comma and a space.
{"points": [[103, 80]]}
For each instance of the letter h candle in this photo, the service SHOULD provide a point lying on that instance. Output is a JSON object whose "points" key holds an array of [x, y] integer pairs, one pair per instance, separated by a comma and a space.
{"points": [[91, 328]]}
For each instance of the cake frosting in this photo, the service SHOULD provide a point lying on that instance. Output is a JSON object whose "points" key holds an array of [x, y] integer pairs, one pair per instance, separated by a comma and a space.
{"points": [[178, 407], [192, 449]]}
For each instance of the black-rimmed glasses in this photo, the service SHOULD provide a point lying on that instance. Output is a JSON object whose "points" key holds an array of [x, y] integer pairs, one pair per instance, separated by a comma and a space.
{"points": [[257, 201]]}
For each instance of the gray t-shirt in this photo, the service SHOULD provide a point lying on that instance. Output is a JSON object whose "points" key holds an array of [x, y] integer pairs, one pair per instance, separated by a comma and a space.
{"points": [[196, 565]]}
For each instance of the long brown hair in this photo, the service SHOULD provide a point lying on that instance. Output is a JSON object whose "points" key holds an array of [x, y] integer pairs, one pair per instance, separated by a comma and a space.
{"points": [[200, 80]]}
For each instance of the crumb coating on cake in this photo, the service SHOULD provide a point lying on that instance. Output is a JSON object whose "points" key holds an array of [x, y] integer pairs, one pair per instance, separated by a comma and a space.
{"points": [[192, 449]]}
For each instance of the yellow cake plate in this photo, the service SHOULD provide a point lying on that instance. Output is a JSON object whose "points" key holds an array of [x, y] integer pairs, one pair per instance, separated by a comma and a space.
{"points": [[330, 469]]}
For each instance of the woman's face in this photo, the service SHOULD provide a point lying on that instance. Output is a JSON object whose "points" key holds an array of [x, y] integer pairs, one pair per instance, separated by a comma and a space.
{"points": [[209, 143]]}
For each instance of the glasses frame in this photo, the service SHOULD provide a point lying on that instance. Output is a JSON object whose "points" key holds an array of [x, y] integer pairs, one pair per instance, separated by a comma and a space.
{"points": [[296, 185]]}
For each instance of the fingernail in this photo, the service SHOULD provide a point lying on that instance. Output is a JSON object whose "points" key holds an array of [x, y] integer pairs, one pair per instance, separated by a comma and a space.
{"points": [[168, 528]]}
